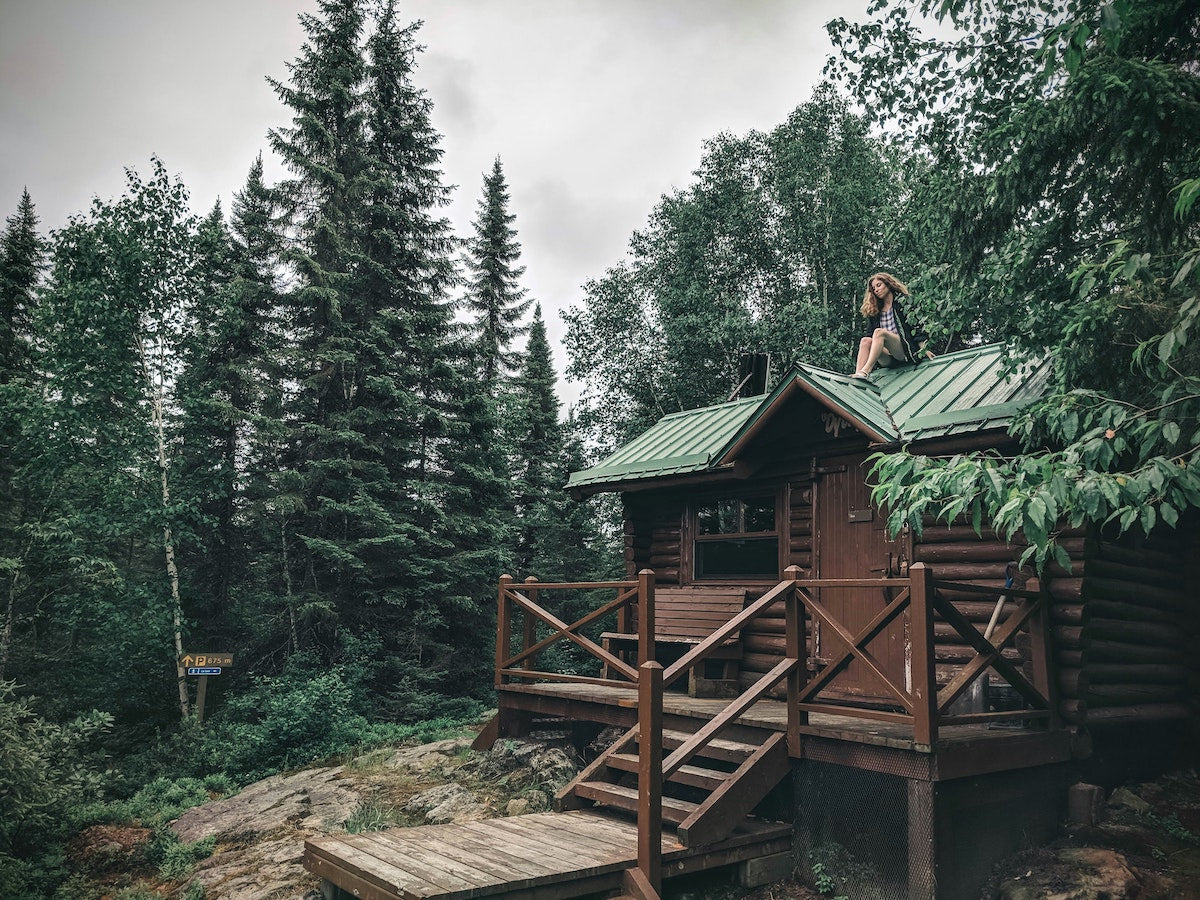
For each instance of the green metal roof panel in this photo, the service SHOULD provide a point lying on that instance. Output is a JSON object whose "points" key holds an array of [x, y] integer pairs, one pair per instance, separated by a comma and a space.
{"points": [[678, 444], [959, 392]]}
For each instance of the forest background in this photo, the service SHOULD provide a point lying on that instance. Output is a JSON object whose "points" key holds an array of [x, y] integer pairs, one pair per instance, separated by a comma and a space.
{"points": [[313, 430]]}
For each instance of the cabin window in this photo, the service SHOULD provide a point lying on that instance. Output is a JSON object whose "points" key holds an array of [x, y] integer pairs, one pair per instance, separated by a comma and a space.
{"points": [[736, 537]]}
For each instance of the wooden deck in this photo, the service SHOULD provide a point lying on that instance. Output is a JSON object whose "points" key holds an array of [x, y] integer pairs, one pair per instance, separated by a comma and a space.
{"points": [[543, 855], [961, 750]]}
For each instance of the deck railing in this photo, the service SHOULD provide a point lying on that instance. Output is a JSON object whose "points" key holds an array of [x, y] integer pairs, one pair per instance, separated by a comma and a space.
{"points": [[916, 699], [913, 699]]}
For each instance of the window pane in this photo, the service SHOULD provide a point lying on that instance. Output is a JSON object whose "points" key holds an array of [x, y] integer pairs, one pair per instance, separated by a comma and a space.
{"points": [[718, 517], [749, 556], [760, 514]]}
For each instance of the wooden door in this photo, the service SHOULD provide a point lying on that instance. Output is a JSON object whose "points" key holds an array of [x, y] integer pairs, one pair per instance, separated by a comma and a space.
{"points": [[851, 542]]}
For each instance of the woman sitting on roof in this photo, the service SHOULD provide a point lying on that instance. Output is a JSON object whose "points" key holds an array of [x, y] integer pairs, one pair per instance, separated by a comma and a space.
{"points": [[889, 338]]}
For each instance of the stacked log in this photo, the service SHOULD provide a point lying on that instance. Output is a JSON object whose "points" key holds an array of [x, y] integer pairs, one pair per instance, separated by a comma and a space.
{"points": [[800, 526], [1130, 657], [956, 553], [653, 536]]}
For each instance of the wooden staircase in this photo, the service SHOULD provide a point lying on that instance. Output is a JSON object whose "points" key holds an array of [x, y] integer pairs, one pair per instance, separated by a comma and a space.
{"points": [[704, 799]]}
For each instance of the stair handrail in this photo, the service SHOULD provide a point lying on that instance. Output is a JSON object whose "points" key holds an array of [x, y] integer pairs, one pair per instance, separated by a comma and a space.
{"points": [[789, 667], [706, 647]]}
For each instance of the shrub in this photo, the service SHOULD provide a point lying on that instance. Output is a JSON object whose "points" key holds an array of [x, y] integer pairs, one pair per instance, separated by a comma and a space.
{"points": [[44, 768]]}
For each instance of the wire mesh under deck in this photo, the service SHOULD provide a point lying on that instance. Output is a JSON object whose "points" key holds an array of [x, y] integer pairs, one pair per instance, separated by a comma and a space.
{"points": [[541, 855]]}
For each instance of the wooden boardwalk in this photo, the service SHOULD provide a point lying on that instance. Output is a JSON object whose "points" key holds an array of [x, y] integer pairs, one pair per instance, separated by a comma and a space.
{"points": [[543, 855]]}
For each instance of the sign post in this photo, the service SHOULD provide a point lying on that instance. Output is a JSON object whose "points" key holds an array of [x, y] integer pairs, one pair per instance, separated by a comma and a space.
{"points": [[203, 665]]}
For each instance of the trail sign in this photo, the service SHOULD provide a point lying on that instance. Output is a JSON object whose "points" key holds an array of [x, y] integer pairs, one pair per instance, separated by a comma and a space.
{"points": [[203, 665], [208, 659]]}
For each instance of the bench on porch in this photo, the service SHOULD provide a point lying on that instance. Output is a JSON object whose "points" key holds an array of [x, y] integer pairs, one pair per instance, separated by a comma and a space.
{"points": [[683, 617]]}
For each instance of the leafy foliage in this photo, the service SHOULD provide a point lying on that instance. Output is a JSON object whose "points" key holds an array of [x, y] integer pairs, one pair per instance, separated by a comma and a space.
{"points": [[1071, 129]]}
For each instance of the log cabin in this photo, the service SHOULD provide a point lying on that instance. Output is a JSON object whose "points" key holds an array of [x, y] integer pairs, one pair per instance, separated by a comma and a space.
{"points": [[908, 709]]}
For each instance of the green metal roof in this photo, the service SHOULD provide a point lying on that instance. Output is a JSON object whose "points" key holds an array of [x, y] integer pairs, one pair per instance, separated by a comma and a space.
{"points": [[958, 393], [678, 444]]}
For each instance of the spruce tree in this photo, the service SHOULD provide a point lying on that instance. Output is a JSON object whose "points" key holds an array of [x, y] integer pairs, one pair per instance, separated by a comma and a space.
{"points": [[538, 442], [22, 260], [324, 149], [437, 546], [229, 398], [495, 299]]}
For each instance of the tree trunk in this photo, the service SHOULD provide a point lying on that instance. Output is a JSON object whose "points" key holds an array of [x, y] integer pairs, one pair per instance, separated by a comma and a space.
{"points": [[168, 541]]}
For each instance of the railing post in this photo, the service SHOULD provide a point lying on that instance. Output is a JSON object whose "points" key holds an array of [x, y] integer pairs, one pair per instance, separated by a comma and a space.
{"points": [[503, 626], [529, 623], [797, 649], [924, 671], [650, 771], [1040, 657], [645, 616]]}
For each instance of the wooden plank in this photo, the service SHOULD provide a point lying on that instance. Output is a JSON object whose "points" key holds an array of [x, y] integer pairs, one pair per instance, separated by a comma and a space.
{"points": [[736, 799], [627, 798], [455, 876], [591, 825], [368, 867], [485, 849], [348, 881], [559, 843]]}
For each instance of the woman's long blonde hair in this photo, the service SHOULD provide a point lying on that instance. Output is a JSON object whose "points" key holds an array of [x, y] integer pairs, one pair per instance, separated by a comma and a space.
{"points": [[870, 306]]}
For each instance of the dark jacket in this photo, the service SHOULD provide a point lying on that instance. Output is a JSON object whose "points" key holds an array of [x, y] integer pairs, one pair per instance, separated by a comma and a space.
{"points": [[912, 335]]}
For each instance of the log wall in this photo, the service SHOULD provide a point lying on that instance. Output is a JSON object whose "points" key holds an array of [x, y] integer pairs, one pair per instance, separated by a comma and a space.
{"points": [[1126, 649], [653, 535]]}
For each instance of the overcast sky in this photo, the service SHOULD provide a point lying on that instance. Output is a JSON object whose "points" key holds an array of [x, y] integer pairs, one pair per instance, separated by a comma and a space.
{"points": [[595, 107]]}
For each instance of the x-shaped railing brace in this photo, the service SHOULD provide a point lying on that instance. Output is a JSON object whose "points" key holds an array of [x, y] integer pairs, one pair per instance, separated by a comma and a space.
{"points": [[562, 629], [855, 648], [988, 653]]}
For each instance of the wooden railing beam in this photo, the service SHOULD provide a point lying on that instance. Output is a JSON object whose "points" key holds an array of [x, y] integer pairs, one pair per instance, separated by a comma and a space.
{"points": [[924, 672], [796, 647], [645, 616], [727, 716], [503, 627], [650, 772], [620, 603], [855, 647]]}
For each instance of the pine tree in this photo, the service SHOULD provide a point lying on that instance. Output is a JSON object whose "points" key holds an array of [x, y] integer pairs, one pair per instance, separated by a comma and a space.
{"points": [[538, 442], [430, 430], [495, 299], [22, 259], [229, 396], [324, 149]]}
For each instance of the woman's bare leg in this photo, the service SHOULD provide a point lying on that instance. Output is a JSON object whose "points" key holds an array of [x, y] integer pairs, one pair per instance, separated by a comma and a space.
{"points": [[883, 342], [864, 351]]}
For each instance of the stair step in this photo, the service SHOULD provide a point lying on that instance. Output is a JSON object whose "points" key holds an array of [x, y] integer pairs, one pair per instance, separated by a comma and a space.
{"points": [[674, 811], [718, 748], [695, 776]]}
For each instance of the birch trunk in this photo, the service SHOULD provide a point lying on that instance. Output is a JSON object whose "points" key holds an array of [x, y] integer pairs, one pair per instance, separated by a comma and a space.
{"points": [[168, 542]]}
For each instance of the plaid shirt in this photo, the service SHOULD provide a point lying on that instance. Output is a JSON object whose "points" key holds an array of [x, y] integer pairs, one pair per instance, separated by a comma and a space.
{"points": [[888, 320]]}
